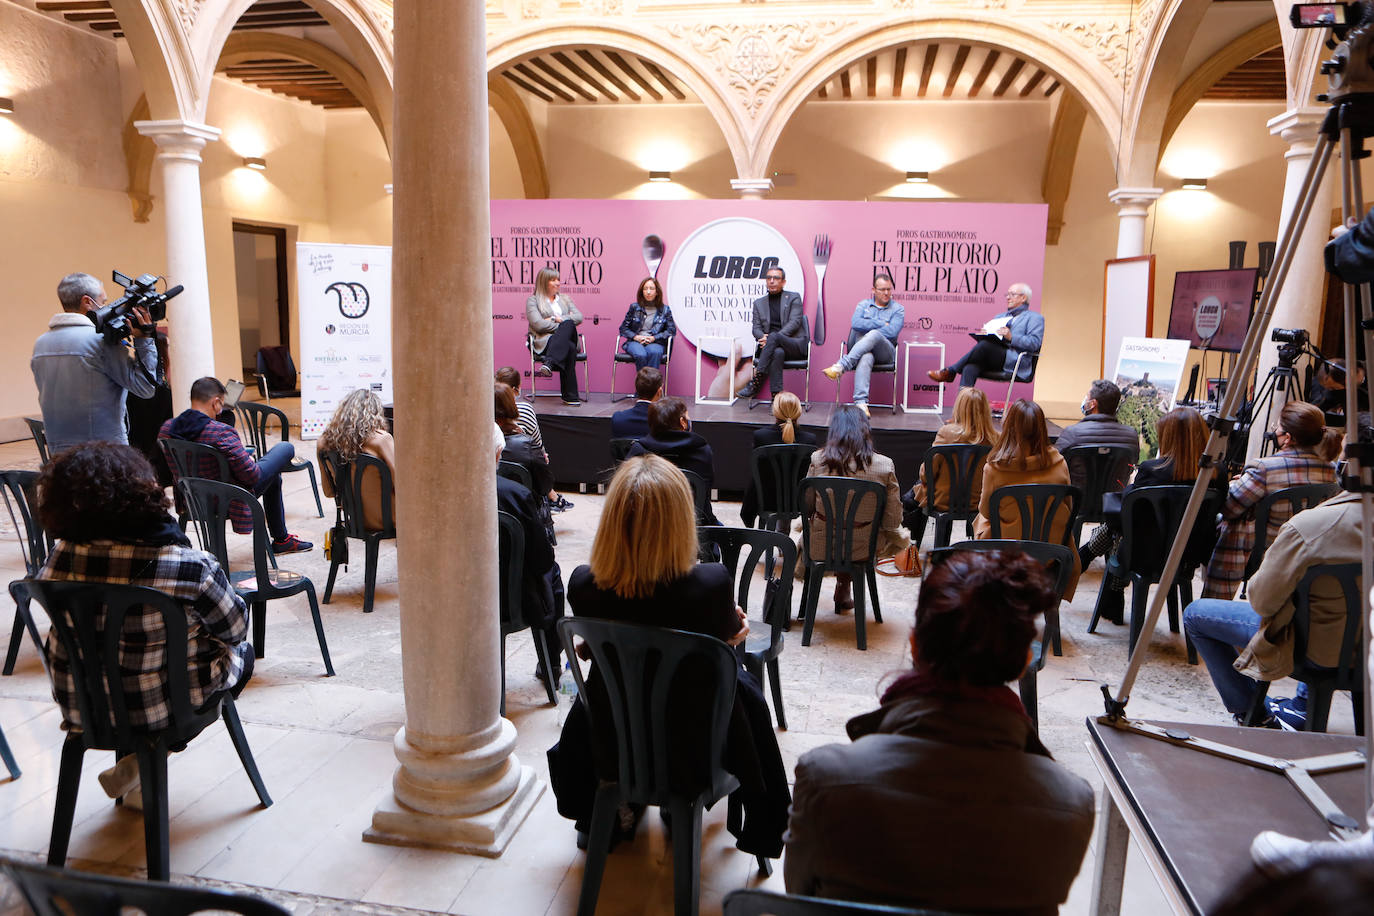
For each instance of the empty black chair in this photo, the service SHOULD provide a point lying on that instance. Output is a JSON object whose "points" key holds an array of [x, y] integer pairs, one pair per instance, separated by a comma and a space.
{"points": [[1023, 358], [962, 465], [276, 372], [776, 472], [20, 492], [511, 550], [514, 471], [257, 420], [99, 685], [62, 892], [838, 501], [799, 364], [763, 645], [208, 502], [639, 668], [889, 367], [1100, 467], [767, 903], [1299, 499], [1056, 558], [622, 357], [40, 437], [1322, 682], [1150, 519], [349, 518]]}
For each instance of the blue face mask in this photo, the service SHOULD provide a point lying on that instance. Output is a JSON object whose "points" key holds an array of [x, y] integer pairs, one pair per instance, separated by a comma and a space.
{"points": [[1085, 407]]}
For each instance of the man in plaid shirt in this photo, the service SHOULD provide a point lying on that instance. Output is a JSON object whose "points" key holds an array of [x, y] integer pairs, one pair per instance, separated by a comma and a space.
{"points": [[262, 478], [103, 504]]}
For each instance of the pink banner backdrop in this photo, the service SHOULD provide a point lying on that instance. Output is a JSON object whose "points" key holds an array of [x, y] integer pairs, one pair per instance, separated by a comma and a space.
{"points": [[951, 264]]}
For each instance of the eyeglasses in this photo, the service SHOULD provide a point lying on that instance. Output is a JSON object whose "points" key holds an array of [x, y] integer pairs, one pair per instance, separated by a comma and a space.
{"points": [[773, 277]]}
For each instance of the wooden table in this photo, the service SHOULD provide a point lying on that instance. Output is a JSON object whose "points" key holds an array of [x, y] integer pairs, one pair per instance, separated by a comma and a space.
{"points": [[1193, 815]]}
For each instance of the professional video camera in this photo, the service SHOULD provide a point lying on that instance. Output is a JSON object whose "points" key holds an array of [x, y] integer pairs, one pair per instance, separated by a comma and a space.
{"points": [[1294, 343], [113, 320]]}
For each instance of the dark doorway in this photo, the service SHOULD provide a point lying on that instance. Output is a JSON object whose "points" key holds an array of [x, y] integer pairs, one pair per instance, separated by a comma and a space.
{"points": [[264, 298]]}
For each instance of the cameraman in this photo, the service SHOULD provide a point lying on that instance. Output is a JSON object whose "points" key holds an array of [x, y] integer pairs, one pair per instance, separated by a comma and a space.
{"points": [[82, 378]]}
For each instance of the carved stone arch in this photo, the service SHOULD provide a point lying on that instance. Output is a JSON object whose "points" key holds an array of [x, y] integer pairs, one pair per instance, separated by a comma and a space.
{"points": [[597, 33], [515, 117], [367, 36], [1081, 74], [1256, 41], [157, 37], [139, 153]]}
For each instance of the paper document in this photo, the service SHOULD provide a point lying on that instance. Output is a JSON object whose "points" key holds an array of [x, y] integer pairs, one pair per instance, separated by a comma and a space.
{"points": [[996, 324]]}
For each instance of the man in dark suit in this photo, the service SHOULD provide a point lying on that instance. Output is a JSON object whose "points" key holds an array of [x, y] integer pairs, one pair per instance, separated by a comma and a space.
{"points": [[633, 422], [779, 328]]}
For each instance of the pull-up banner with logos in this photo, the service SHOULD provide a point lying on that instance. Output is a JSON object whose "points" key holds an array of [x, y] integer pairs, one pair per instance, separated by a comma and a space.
{"points": [[951, 264], [344, 293]]}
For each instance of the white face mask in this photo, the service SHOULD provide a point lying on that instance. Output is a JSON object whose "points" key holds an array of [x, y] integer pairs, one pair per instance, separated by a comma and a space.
{"points": [[1085, 407]]}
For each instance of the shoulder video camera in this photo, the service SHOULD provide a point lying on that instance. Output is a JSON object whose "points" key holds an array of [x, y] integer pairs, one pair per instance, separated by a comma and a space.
{"points": [[113, 320]]}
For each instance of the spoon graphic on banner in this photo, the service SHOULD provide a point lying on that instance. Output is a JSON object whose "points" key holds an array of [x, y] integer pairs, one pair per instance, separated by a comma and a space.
{"points": [[653, 254]]}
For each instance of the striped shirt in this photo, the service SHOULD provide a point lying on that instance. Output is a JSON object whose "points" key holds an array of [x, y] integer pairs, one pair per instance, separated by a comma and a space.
{"points": [[528, 422]]}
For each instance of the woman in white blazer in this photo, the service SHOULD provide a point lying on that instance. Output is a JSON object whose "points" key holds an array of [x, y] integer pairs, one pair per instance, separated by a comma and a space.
{"points": [[553, 326]]}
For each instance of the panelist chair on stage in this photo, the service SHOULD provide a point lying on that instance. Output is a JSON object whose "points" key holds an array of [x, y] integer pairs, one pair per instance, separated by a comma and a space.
{"points": [[801, 364], [537, 360], [622, 357], [1023, 358]]}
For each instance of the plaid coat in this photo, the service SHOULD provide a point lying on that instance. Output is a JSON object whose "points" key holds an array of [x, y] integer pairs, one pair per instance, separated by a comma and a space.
{"points": [[242, 467], [216, 618], [1290, 467]]}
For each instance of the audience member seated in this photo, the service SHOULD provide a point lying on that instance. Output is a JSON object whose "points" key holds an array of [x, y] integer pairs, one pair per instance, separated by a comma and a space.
{"points": [[1022, 455], [1303, 443], [519, 448], [670, 436], [633, 421], [643, 570], [1262, 625], [528, 421], [848, 452], [787, 414], [946, 798], [1020, 331], [358, 427], [541, 592], [109, 515], [1099, 427], [971, 424], [1328, 388], [262, 477]]}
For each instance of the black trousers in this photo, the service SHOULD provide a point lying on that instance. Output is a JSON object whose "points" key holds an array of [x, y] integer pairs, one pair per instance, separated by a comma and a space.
{"points": [[986, 356], [560, 355], [768, 360]]}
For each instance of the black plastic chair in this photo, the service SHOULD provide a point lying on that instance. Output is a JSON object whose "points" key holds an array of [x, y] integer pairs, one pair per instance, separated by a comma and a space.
{"points": [[1100, 467], [20, 492], [511, 550], [99, 687], [777, 472], [62, 892], [348, 499], [1150, 519], [767, 903], [838, 501], [537, 360], [639, 668], [1058, 560], [257, 420], [1321, 682], [7, 757], [194, 459], [962, 463], [271, 383], [763, 645], [1041, 508], [621, 357], [1299, 499], [701, 496], [800, 364], [1022, 358], [889, 367], [40, 437], [517, 472], [208, 502], [620, 449]]}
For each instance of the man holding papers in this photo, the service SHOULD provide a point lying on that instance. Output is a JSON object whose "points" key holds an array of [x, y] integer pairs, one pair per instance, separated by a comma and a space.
{"points": [[1015, 331]]}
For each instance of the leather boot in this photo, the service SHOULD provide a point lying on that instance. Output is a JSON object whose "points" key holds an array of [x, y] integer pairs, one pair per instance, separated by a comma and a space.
{"points": [[844, 598]]}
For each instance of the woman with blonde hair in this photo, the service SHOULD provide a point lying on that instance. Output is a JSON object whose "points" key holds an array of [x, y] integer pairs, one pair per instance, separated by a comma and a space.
{"points": [[971, 424], [643, 569], [553, 320], [787, 411], [359, 427]]}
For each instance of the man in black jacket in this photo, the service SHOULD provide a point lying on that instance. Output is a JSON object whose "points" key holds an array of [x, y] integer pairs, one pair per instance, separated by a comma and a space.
{"points": [[1099, 427], [779, 329]]}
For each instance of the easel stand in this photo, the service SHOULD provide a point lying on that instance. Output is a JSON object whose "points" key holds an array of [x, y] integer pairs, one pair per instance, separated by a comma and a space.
{"points": [[1348, 123]]}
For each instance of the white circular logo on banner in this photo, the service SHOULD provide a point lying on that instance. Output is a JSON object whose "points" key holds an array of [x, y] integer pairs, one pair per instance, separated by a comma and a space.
{"points": [[718, 273], [1207, 318]]}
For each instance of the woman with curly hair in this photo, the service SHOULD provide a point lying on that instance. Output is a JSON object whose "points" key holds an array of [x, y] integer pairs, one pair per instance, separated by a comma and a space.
{"points": [[358, 427]]}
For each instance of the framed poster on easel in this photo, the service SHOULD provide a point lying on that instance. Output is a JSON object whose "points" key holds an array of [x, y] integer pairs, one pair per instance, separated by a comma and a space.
{"points": [[1128, 304]]}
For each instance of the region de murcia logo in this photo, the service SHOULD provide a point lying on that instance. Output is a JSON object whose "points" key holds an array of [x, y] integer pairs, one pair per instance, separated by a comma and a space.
{"points": [[353, 298], [329, 329]]}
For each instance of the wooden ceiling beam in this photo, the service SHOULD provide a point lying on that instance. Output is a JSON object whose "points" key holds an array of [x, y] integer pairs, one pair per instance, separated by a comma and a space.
{"points": [[983, 72], [871, 78], [663, 78], [844, 84], [634, 74], [73, 5], [1009, 77], [528, 87], [562, 77], [1032, 83], [927, 67], [960, 56], [898, 72], [583, 75], [527, 73], [606, 74]]}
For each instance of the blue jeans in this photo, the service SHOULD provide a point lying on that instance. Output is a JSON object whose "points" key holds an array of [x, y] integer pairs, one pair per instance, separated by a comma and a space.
{"points": [[1219, 629], [870, 348], [269, 487], [645, 354]]}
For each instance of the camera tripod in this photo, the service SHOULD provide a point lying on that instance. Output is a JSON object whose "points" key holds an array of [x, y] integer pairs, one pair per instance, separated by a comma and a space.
{"points": [[1279, 387], [1349, 122]]}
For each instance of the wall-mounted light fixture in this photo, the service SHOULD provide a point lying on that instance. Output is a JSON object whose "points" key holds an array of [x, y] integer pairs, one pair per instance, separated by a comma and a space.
{"points": [[1194, 184], [6, 106], [918, 177], [660, 176], [255, 162]]}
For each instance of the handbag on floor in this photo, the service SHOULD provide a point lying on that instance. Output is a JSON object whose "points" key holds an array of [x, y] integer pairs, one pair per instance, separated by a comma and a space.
{"points": [[906, 562]]}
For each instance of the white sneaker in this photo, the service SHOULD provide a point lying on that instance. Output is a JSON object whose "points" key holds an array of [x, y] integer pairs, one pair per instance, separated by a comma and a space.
{"points": [[121, 778], [834, 372], [1278, 855]]}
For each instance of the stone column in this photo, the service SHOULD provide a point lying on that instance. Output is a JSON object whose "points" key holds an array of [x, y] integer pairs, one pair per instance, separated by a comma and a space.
{"points": [[1299, 303], [459, 784], [1132, 208], [751, 188], [189, 332]]}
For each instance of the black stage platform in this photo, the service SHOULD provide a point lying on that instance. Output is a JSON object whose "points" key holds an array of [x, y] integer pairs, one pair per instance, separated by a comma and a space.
{"points": [[578, 438]]}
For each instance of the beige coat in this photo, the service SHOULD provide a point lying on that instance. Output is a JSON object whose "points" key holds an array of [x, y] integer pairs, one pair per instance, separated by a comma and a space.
{"points": [[542, 320], [379, 445], [1053, 469], [946, 435], [892, 538]]}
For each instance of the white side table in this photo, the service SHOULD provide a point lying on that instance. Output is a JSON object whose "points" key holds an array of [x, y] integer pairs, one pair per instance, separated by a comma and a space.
{"points": [[703, 399], [939, 407]]}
